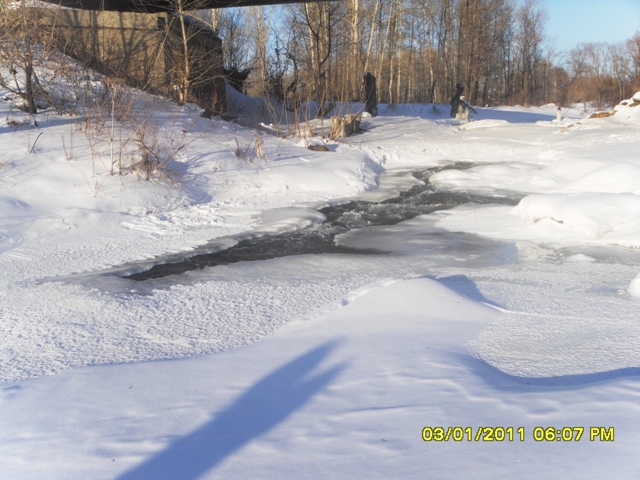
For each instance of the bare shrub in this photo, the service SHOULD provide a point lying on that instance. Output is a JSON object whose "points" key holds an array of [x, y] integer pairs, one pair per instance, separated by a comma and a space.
{"points": [[246, 151], [157, 144], [18, 54], [68, 151], [127, 131], [259, 148], [15, 124], [249, 151]]}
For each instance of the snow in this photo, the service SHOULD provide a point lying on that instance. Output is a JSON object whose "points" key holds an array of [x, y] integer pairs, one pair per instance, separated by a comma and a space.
{"points": [[320, 366], [634, 286], [583, 191], [340, 394]]}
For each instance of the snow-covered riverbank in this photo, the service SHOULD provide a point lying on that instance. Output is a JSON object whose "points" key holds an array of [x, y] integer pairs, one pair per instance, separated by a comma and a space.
{"points": [[334, 364]]}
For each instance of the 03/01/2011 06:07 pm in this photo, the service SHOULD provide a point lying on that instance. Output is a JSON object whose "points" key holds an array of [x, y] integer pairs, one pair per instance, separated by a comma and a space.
{"points": [[510, 434]]}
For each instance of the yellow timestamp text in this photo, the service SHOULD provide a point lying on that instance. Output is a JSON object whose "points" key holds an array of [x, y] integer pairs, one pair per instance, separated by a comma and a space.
{"points": [[515, 434]]}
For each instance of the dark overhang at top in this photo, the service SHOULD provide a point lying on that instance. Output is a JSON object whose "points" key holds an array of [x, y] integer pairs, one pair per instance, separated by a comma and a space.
{"points": [[157, 6]]}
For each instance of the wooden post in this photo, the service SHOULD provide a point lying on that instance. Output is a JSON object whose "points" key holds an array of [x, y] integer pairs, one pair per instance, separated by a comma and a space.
{"points": [[370, 94], [463, 111], [455, 101]]}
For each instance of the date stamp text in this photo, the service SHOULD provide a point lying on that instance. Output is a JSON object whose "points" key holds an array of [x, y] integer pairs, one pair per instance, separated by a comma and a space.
{"points": [[517, 434]]}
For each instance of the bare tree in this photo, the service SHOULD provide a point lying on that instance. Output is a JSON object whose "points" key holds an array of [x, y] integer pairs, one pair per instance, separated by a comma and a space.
{"points": [[319, 21], [620, 68], [259, 26], [20, 52], [531, 21], [633, 47], [232, 27]]}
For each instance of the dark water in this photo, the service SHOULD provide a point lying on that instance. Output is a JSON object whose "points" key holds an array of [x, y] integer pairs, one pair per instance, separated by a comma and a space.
{"points": [[319, 239]]}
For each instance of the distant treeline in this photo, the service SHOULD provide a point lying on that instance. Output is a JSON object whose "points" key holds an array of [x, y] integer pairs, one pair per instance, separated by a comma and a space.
{"points": [[419, 50]]}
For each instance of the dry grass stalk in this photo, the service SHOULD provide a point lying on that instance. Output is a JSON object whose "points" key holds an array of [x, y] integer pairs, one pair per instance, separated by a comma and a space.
{"points": [[245, 152]]}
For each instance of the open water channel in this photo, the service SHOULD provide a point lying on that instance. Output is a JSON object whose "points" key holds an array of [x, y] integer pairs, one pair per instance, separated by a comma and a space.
{"points": [[342, 218]]}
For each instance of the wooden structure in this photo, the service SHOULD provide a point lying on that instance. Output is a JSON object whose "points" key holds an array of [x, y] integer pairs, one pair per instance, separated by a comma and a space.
{"points": [[145, 50], [343, 127], [459, 106], [142, 42], [455, 101], [156, 6], [370, 95]]}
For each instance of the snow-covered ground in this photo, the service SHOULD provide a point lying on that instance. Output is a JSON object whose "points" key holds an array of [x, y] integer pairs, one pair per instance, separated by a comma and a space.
{"points": [[322, 366]]}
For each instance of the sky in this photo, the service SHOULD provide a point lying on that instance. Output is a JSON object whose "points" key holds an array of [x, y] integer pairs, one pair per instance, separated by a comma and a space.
{"points": [[575, 21]]}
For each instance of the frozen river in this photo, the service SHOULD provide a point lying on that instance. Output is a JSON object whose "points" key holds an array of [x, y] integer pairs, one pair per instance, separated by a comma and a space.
{"points": [[393, 232], [342, 219]]}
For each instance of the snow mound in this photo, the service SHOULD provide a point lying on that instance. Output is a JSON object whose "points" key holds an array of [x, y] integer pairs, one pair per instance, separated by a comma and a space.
{"points": [[482, 178], [617, 177], [593, 217], [624, 113], [580, 257], [484, 124], [634, 286], [584, 175]]}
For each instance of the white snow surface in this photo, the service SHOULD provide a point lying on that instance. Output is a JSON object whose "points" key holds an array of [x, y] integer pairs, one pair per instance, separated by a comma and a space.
{"points": [[321, 366], [584, 188]]}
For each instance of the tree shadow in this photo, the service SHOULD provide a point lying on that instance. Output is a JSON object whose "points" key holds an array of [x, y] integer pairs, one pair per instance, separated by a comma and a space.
{"points": [[259, 409], [464, 286], [505, 382], [467, 287]]}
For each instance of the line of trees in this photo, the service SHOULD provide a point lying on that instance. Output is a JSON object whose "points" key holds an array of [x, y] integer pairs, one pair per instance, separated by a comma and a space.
{"points": [[604, 73], [419, 50]]}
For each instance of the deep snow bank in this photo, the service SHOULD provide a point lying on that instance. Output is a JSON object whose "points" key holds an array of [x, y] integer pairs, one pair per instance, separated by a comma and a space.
{"points": [[585, 181], [66, 209]]}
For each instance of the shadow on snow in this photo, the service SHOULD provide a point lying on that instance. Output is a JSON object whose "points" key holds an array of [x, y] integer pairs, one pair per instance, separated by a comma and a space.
{"points": [[464, 286], [499, 380], [262, 407]]}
